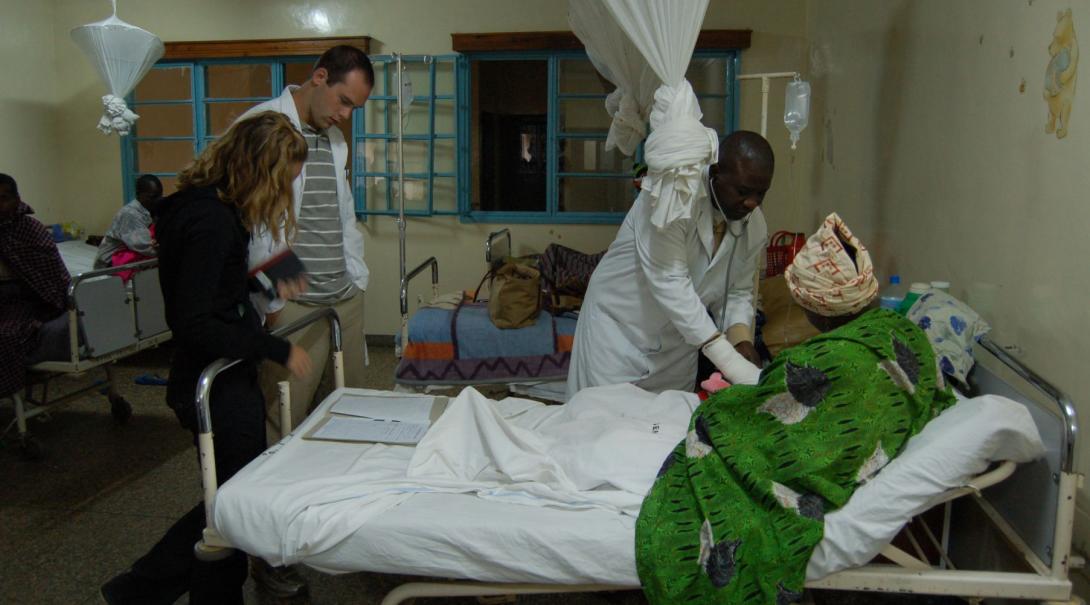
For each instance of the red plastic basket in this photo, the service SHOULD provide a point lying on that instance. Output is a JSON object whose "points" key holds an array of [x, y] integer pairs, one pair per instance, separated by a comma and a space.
{"points": [[782, 248]]}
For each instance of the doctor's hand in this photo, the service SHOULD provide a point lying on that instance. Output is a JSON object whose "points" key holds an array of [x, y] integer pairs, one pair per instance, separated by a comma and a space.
{"points": [[749, 351], [298, 362]]}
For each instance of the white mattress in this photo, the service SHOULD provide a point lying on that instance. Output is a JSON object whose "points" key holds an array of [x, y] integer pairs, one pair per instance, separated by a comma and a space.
{"points": [[345, 508], [78, 256]]}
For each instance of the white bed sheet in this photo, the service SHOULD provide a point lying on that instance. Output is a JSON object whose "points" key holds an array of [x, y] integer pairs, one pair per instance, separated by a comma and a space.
{"points": [[78, 256], [345, 508]]}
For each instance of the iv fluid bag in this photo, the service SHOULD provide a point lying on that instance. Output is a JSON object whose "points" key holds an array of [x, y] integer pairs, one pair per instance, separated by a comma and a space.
{"points": [[796, 108]]}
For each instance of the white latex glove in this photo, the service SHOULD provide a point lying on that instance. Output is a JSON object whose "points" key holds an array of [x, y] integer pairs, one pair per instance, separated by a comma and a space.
{"points": [[734, 366]]}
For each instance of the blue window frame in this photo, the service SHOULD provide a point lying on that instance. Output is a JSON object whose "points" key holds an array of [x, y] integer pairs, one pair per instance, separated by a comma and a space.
{"points": [[582, 182], [184, 105], [430, 139]]}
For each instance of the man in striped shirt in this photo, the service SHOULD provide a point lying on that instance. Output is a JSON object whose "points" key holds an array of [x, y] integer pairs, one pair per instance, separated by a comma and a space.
{"points": [[326, 237]]}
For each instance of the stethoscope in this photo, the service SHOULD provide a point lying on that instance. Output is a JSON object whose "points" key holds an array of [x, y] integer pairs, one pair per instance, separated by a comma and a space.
{"points": [[733, 247]]}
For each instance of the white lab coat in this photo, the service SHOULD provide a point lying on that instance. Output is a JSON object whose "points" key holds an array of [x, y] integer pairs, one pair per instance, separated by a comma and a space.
{"points": [[262, 245], [645, 314]]}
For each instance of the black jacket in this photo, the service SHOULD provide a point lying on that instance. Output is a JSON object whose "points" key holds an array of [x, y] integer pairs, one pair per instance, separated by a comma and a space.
{"points": [[203, 249]]}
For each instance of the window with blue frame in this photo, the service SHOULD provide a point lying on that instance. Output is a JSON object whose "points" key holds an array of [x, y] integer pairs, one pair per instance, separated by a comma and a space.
{"points": [[183, 106], [533, 127], [430, 138]]}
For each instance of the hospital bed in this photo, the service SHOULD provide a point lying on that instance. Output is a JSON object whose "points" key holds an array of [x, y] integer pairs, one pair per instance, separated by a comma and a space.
{"points": [[445, 347], [106, 320], [493, 547]]}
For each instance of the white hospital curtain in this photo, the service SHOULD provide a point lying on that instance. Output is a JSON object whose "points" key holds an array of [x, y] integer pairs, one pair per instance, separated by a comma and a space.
{"points": [[122, 54], [679, 147], [619, 61]]}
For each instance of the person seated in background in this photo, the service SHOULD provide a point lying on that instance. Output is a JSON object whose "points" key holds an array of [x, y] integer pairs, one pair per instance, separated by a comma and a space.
{"points": [[33, 284], [130, 237], [738, 506]]}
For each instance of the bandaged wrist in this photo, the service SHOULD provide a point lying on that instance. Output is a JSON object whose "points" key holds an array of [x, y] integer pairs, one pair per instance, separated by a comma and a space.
{"points": [[735, 367]]}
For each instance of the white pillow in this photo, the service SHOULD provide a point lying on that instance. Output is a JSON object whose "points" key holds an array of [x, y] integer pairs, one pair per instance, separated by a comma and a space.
{"points": [[946, 454]]}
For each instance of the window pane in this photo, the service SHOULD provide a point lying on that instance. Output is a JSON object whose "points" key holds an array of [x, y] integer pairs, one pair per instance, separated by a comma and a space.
{"points": [[372, 155], [170, 184], [164, 84], [297, 73], [444, 194], [584, 115], [591, 156], [416, 194], [445, 159], [578, 76], [446, 118], [707, 76], [375, 187], [596, 195], [164, 120], [163, 156], [416, 156], [508, 133], [713, 115], [444, 78], [238, 81], [220, 116], [378, 121]]}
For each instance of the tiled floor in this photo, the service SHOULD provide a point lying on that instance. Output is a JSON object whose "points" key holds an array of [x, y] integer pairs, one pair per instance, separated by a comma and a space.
{"points": [[103, 494]]}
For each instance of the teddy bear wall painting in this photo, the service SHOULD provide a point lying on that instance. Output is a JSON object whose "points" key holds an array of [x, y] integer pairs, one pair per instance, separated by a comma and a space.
{"points": [[1060, 75]]}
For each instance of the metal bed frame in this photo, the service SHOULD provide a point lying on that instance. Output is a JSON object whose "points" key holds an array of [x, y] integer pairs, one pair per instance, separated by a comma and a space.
{"points": [[213, 546], [115, 321], [1038, 532]]}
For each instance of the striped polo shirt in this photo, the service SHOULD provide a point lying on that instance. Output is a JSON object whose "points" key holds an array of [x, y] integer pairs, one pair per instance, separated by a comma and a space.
{"points": [[319, 238]]}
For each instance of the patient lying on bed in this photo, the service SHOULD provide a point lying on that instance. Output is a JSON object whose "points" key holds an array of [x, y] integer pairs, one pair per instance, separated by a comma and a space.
{"points": [[739, 506], [33, 284]]}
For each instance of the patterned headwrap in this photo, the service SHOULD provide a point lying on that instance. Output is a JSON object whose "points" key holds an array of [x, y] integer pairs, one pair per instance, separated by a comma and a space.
{"points": [[824, 278]]}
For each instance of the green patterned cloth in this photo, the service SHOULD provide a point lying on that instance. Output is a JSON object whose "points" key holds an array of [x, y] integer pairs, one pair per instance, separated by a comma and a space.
{"points": [[738, 507]]}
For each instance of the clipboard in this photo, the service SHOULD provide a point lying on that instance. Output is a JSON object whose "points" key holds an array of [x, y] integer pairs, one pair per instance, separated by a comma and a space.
{"points": [[378, 431]]}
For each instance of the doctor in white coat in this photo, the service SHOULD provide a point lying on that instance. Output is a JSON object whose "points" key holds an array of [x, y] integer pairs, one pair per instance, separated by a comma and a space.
{"points": [[661, 295]]}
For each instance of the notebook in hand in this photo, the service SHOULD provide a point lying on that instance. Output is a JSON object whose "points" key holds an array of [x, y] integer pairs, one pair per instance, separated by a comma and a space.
{"points": [[283, 266]]}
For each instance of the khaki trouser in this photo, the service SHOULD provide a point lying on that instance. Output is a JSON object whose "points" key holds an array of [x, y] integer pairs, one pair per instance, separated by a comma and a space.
{"points": [[311, 390]]}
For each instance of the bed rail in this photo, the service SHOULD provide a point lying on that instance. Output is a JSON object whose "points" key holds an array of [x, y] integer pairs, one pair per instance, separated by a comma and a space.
{"points": [[1063, 403], [403, 332], [212, 546]]}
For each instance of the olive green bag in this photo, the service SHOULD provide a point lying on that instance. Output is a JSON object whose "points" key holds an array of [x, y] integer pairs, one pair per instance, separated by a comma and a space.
{"points": [[514, 295]]}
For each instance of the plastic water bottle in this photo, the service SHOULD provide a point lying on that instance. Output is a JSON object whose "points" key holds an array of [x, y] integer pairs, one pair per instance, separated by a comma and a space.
{"points": [[914, 293], [893, 294]]}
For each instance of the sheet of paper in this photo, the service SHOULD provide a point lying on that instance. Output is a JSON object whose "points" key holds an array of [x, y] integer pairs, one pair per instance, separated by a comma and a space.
{"points": [[403, 409], [347, 428]]}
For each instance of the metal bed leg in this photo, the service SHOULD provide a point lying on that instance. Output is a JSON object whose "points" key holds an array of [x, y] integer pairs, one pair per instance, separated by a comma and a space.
{"points": [[120, 408], [284, 388]]}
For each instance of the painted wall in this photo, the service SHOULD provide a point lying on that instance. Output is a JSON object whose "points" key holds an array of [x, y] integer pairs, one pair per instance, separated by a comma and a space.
{"points": [[28, 104], [934, 149], [91, 190]]}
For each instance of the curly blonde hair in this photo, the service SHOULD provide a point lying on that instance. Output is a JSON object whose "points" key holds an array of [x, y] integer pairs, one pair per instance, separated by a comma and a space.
{"points": [[253, 166]]}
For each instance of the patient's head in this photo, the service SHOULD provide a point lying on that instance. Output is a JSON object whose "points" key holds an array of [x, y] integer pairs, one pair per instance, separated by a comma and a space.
{"points": [[149, 189], [832, 277], [743, 174], [9, 196]]}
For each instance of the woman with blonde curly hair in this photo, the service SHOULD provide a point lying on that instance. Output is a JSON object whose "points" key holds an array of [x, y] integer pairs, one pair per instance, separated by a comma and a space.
{"points": [[240, 184]]}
